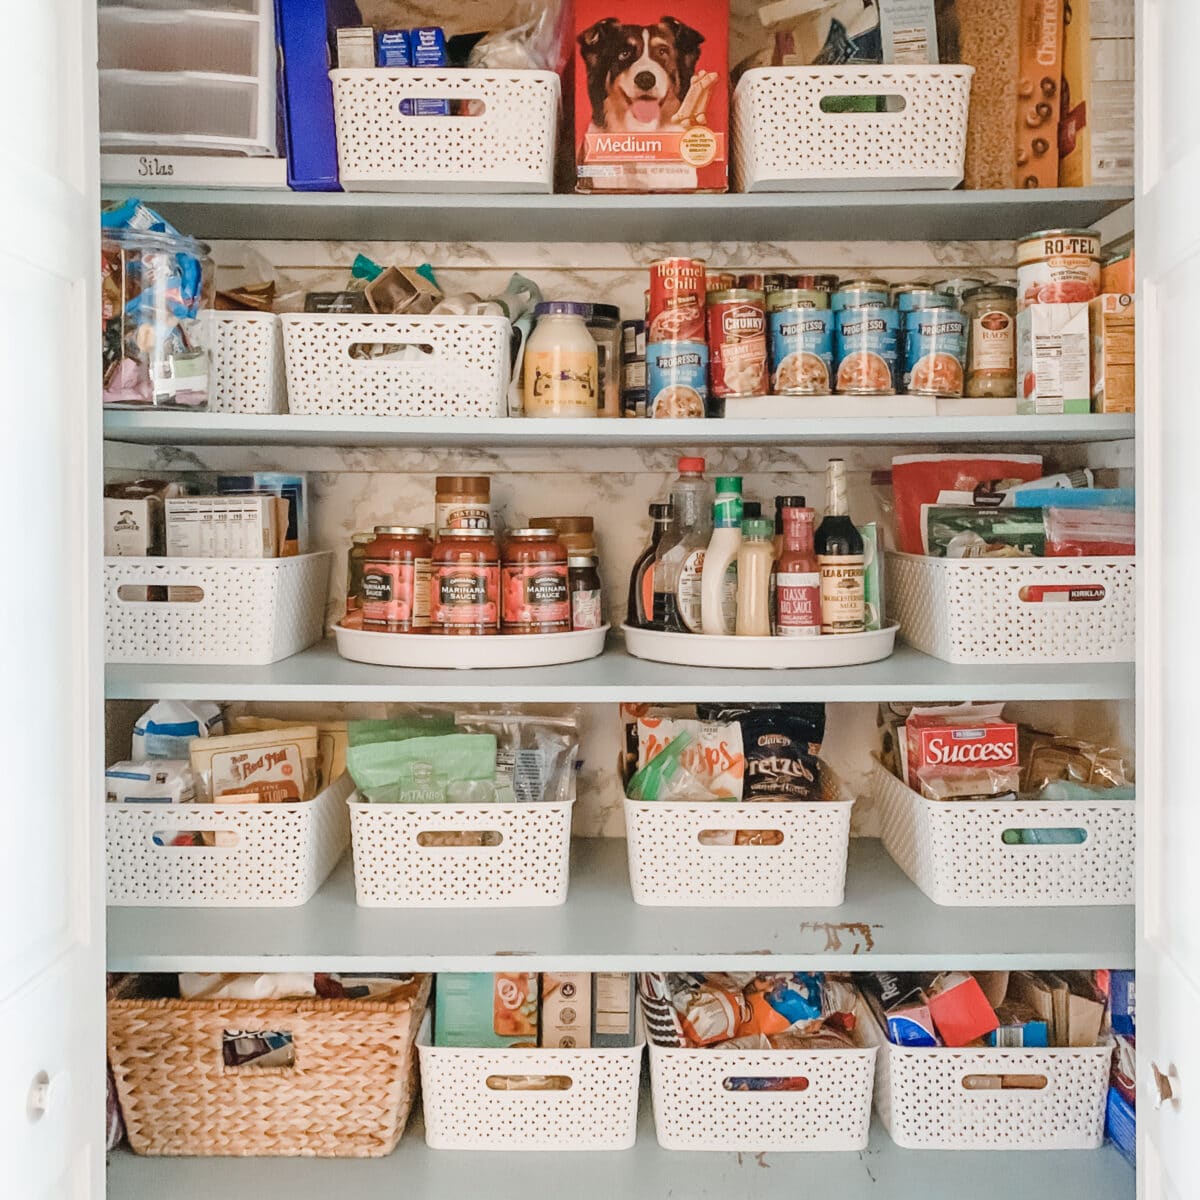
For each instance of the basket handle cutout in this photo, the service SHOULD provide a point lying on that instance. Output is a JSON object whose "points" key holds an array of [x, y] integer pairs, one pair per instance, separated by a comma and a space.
{"points": [[765, 1083], [1062, 593], [883, 103], [1005, 1083], [435, 107], [459, 839], [745, 838], [140, 593], [196, 839], [530, 1083], [389, 352], [246, 1050], [1046, 835]]}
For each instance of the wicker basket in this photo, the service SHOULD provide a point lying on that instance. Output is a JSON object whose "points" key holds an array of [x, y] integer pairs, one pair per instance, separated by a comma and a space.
{"points": [[348, 1095]]}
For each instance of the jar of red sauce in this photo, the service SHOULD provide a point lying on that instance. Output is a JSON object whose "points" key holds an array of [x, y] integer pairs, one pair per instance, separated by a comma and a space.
{"points": [[395, 580], [534, 589], [464, 583]]}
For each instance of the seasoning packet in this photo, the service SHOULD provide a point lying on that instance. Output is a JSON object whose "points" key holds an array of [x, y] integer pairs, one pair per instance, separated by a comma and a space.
{"points": [[270, 766], [535, 755]]}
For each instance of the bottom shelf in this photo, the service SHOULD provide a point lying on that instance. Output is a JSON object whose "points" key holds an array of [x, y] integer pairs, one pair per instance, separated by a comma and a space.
{"points": [[882, 1170]]}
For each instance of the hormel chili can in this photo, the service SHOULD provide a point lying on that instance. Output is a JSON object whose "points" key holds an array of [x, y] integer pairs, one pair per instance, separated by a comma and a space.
{"points": [[677, 293], [737, 343]]}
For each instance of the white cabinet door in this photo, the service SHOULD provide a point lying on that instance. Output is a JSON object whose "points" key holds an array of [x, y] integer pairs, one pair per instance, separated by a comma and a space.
{"points": [[1168, 249], [51, 862]]}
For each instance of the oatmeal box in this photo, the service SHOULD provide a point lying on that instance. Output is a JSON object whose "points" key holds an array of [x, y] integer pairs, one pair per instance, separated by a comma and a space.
{"points": [[651, 96]]}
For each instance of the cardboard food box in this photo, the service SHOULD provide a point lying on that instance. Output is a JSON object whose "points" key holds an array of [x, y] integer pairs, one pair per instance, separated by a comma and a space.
{"points": [[651, 96], [566, 1021], [987, 43], [226, 526], [1053, 359], [1113, 359], [1039, 83]]}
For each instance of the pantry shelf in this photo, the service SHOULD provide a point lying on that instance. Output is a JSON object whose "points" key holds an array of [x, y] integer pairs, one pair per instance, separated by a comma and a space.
{"points": [[163, 428], [777, 216], [886, 923], [319, 674], [882, 1170]]}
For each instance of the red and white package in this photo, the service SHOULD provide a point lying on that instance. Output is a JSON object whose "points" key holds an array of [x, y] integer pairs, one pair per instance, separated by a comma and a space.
{"points": [[953, 758], [919, 479]]}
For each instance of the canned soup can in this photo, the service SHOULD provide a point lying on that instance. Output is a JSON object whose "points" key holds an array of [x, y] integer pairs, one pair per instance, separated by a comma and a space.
{"points": [[922, 297], [737, 343], [1058, 266], [675, 312], [862, 293], [866, 342], [801, 349], [676, 379], [935, 352]]}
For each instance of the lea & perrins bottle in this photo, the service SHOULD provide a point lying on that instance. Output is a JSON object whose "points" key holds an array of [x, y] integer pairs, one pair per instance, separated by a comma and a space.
{"points": [[840, 558]]}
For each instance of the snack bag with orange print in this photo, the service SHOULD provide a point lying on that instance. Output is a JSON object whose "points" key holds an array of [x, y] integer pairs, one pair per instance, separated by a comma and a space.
{"points": [[715, 756]]}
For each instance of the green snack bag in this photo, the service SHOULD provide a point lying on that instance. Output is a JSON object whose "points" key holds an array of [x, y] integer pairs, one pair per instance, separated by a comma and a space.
{"points": [[651, 781], [426, 770]]}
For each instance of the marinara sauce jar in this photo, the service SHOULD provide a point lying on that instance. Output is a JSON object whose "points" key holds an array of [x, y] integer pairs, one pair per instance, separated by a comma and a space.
{"points": [[535, 591], [395, 580], [464, 583]]}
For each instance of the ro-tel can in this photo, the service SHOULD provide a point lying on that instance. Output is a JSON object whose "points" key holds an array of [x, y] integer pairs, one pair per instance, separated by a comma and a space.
{"points": [[1058, 266], [866, 344], [633, 368], [935, 353], [958, 287], [801, 345], [821, 283], [677, 292], [737, 343], [676, 379], [861, 293]]}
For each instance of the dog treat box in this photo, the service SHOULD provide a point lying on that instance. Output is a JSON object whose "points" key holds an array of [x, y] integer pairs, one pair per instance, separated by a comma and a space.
{"points": [[651, 96]]}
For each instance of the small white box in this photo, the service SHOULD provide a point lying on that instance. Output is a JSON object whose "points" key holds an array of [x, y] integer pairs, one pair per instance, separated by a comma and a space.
{"points": [[223, 527], [1054, 359]]}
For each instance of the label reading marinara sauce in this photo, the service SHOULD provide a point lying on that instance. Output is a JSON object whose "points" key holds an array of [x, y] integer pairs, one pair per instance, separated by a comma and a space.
{"points": [[536, 598], [465, 599], [396, 596]]}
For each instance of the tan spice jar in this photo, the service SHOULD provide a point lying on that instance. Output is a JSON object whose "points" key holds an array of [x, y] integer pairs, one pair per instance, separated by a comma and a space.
{"points": [[534, 592], [462, 502]]}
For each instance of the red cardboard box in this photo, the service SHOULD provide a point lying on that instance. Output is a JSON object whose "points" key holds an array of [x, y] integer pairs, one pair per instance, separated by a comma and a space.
{"points": [[961, 1011], [652, 96]]}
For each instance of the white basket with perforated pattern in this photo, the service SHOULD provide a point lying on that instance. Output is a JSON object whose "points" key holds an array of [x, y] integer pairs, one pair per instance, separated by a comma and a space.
{"points": [[980, 610], [597, 1110], [248, 362], [461, 369], [939, 1098], [506, 144], [233, 611], [955, 851], [703, 1099], [272, 856], [670, 865], [402, 859], [784, 142]]}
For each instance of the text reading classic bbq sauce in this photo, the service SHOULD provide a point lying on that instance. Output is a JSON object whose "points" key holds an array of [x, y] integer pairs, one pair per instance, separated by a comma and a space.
{"points": [[535, 596], [464, 586], [395, 580]]}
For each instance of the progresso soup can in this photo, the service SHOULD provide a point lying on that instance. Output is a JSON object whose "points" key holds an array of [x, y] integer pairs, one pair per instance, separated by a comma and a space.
{"points": [[801, 346], [908, 298], [866, 342], [676, 379], [935, 352], [862, 293]]}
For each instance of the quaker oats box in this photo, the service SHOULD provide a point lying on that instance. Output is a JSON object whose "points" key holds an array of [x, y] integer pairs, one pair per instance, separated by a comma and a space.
{"points": [[651, 96]]}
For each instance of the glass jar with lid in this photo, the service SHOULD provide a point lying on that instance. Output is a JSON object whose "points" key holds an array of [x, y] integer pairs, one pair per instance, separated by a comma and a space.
{"points": [[464, 586], [604, 324], [355, 560], [561, 363], [534, 592], [991, 313], [395, 581]]}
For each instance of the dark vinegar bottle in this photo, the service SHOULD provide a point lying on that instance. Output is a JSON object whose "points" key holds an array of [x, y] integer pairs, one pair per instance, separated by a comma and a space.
{"points": [[641, 583]]}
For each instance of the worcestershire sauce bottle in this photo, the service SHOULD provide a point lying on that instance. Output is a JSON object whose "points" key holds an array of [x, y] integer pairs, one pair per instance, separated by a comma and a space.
{"points": [[839, 548]]}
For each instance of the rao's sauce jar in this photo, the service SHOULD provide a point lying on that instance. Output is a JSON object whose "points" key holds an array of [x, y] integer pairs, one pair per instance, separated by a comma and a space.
{"points": [[395, 580], [464, 584], [535, 595]]}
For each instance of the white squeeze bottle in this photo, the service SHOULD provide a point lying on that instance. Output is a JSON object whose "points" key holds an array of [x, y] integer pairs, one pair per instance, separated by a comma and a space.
{"points": [[718, 583]]}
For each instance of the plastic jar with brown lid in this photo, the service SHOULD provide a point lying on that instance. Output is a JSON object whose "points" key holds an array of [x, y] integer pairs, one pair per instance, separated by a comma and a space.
{"points": [[534, 591], [462, 502], [578, 534], [395, 580], [464, 585]]}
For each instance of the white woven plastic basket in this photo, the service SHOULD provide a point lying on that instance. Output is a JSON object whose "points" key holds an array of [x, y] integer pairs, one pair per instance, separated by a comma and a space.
{"points": [[668, 865], [784, 142], [956, 854], [506, 146], [251, 611], [598, 1111], [283, 852], [925, 1104], [974, 610], [463, 374], [694, 1109], [247, 352], [528, 868]]}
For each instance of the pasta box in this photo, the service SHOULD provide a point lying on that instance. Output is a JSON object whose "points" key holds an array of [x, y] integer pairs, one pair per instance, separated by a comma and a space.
{"points": [[651, 96]]}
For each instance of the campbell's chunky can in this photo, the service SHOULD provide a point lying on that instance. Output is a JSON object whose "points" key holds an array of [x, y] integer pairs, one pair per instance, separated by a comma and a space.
{"points": [[1058, 266], [677, 295], [866, 342], [737, 343], [801, 346], [676, 379]]}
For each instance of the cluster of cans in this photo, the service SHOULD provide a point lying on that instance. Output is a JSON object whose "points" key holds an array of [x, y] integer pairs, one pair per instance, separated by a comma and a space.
{"points": [[709, 336]]}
